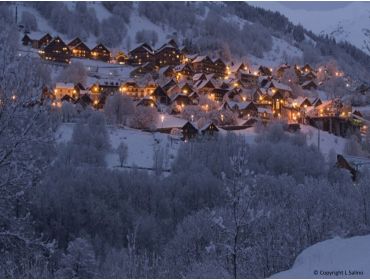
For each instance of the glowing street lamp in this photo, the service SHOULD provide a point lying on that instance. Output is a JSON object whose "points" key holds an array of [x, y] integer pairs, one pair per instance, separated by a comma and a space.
{"points": [[162, 120], [222, 117], [192, 118]]}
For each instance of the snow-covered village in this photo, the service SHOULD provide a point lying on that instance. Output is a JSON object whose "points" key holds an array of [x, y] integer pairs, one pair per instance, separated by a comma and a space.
{"points": [[184, 140]]}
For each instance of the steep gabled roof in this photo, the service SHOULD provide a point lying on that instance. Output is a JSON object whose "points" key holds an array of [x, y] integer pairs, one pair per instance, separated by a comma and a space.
{"points": [[280, 86], [56, 40], [76, 41], [100, 47], [202, 58], [159, 91], [145, 46]]}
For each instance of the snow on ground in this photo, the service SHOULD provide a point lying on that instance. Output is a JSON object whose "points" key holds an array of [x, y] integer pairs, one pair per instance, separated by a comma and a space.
{"points": [[334, 258], [249, 134], [138, 23], [279, 52], [327, 141], [348, 23], [42, 24], [141, 145], [101, 12]]}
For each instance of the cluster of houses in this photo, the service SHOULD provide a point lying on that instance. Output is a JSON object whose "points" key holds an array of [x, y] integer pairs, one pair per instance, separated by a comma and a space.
{"points": [[211, 85], [57, 50], [170, 79]]}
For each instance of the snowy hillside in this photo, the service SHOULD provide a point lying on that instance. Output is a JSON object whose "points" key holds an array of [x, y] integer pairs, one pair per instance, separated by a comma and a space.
{"points": [[280, 48], [350, 23], [335, 258]]}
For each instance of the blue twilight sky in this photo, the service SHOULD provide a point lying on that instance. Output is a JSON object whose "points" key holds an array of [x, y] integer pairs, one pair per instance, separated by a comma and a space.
{"points": [[315, 5]]}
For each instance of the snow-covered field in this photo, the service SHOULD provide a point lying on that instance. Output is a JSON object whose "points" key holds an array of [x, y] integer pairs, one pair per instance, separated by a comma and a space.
{"points": [[327, 141], [141, 145], [334, 258]]}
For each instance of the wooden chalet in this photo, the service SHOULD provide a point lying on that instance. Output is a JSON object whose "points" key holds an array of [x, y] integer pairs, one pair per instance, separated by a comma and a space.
{"points": [[160, 96], [284, 89], [203, 64], [189, 131], [199, 77], [264, 113], [79, 49], [95, 91], [264, 71], [67, 98], [147, 68], [109, 87], [277, 98], [183, 70], [181, 100], [248, 78], [27, 40], [185, 88], [170, 124], [130, 88], [57, 51], [219, 68], [302, 102], [209, 129], [243, 109], [205, 87], [166, 71], [76, 41], [169, 85], [261, 97], [307, 76], [281, 70], [141, 54], [217, 94], [194, 97], [121, 57], [237, 67], [146, 101], [84, 100], [168, 54], [100, 52], [309, 85], [307, 68]]}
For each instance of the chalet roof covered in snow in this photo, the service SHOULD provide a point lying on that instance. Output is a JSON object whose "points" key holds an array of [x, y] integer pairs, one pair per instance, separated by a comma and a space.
{"points": [[280, 86], [64, 85], [170, 122]]}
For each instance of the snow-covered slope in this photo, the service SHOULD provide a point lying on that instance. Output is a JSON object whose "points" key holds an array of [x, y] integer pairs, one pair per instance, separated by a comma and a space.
{"points": [[334, 258], [350, 23], [277, 55], [141, 145]]}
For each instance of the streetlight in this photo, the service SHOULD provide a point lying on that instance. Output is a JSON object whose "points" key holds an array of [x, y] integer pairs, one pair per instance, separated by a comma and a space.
{"points": [[162, 119], [222, 118], [192, 118]]}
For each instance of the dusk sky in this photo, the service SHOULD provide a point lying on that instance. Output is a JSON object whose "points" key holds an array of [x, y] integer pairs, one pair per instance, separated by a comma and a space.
{"points": [[315, 5]]}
